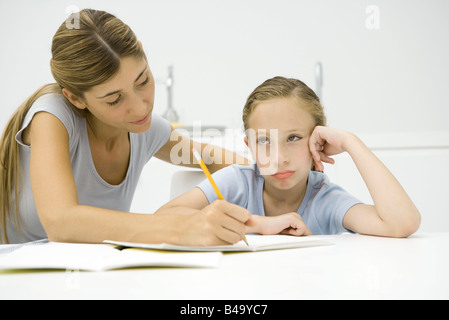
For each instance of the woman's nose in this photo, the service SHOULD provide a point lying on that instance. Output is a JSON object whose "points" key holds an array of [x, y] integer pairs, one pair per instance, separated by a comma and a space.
{"points": [[138, 106]]}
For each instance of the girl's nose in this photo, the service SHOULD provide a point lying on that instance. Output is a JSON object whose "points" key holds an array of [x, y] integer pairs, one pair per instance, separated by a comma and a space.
{"points": [[282, 154]]}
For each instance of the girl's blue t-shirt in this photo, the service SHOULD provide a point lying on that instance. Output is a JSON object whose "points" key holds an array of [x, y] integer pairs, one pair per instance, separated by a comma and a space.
{"points": [[322, 209]]}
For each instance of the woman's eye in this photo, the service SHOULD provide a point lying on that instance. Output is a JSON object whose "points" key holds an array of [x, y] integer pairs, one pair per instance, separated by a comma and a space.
{"points": [[113, 103], [144, 82], [263, 140]]}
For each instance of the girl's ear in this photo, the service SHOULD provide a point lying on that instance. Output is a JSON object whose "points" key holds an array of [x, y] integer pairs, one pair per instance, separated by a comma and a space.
{"points": [[246, 141], [74, 99]]}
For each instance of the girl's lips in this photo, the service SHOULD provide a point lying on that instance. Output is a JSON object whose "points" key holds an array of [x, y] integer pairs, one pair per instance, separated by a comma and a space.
{"points": [[142, 121], [281, 175]]}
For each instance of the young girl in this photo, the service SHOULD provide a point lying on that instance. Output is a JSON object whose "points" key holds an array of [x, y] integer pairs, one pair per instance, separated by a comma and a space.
{"points": [[71, 155], [286, 133]]}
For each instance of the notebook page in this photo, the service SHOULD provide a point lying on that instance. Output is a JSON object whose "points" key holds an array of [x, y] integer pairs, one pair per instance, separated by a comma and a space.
{"points": [[256, 243], [98, 257]]}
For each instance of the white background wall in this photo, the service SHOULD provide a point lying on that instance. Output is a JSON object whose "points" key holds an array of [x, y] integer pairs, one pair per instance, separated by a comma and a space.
{"points": [[387, 84]]}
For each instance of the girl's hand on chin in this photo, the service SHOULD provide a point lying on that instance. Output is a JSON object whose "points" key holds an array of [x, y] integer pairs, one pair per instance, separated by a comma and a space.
{"points": [[325, 142]]}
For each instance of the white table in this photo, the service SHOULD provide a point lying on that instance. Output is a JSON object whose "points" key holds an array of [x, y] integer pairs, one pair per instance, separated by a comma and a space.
{"points": [[356, 267]]}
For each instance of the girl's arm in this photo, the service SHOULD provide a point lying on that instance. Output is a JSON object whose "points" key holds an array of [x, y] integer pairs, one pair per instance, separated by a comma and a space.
{"points": [[65, 220], [178, 150], [195, 200], [393, 213]]}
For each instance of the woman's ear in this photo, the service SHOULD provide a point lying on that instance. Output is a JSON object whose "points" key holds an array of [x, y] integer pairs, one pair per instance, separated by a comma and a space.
{"points": [[74, 99]]}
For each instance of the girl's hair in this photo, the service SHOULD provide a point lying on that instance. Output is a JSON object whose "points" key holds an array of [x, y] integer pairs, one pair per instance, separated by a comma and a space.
{"points": [[280, 87], [82, 57]]}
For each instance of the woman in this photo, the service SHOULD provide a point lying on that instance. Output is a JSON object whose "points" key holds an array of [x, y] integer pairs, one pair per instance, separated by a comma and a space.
{"points": [[72, 154]]}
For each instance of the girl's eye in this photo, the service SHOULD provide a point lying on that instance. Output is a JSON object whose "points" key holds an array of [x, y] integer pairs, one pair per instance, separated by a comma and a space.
{"points": [[263, 140], [294, 138], [113, 103]]}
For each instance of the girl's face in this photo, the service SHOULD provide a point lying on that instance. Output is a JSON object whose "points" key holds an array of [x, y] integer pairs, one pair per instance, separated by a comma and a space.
{"points": [[278, 135], [126, 100]]}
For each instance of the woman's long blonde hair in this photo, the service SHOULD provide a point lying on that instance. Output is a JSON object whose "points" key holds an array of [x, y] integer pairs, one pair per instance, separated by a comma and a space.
{"points": [[83, 56]]}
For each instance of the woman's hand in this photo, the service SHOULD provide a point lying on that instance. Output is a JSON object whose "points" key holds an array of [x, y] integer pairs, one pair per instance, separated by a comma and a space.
{"points": [[219, 223], [325, 142], [287, 224]]}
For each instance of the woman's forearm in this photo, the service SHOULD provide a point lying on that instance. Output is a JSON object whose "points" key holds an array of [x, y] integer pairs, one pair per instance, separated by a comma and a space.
{"points": [[217, 158], [178, 210], [87, 224], [178, 150]]}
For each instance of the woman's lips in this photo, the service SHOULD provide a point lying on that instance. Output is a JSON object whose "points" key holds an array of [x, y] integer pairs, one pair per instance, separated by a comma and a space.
{"points": [[281, 175], [142, 121]]}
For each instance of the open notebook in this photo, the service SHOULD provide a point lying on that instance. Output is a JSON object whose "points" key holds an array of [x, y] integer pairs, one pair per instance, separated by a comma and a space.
{"points": [[256, 243], [99, 257]]}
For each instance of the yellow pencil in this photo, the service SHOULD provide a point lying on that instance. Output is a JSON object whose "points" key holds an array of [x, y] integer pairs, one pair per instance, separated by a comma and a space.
{"points": [[209, 177]]}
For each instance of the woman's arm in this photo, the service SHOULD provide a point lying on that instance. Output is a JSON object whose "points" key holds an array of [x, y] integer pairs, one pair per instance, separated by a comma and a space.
{"points": [[393, 213], [178, 150], [65, 220], [195, 200]]}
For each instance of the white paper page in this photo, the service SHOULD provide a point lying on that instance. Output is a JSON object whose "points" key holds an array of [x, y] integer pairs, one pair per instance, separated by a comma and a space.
{"points": [[256, 243], [8, 248], [98, 257]]}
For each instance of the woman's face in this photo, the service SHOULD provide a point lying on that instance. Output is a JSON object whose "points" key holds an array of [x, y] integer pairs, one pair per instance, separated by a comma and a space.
{"points": [[278, 135], [126, 100]]}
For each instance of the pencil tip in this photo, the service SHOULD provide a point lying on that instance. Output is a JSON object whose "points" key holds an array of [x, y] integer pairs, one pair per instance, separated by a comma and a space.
{"points": [[196, 154]]}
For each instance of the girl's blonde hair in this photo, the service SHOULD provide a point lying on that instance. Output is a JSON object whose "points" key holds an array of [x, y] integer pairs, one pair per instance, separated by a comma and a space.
{"points": [[280, 87], [82, 57]]}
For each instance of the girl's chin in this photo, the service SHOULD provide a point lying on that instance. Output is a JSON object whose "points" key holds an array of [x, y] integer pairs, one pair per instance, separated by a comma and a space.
{"points": [[283, 185]]}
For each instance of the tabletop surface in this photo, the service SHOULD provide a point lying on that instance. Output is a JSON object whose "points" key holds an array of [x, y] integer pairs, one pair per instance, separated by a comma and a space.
{"points": [[354, 267]]}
